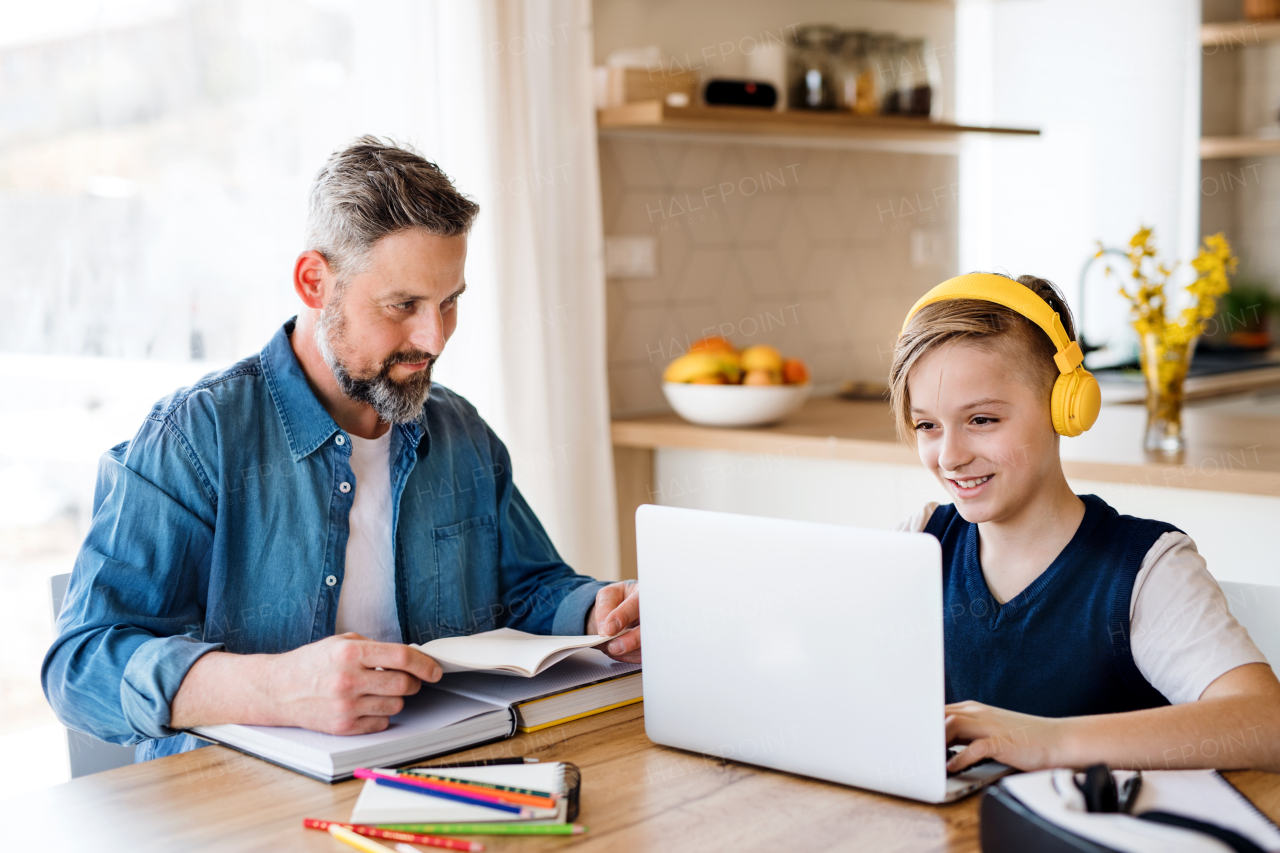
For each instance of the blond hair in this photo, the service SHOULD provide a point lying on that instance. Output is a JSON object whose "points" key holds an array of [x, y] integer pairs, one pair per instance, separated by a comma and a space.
{"points": [[982, 324]]}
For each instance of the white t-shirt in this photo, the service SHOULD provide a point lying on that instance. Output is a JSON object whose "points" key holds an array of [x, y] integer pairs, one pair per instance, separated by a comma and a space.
{"points": [[1180, 632], [367, 603]]}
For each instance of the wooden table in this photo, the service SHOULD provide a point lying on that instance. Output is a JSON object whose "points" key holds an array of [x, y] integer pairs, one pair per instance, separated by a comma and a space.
{"points": [[635, 796]]}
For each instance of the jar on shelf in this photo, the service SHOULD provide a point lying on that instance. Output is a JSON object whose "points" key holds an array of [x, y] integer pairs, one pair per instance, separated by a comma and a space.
{"points": [[811, 78], [857, 83], [887, 57], [917, 81]]}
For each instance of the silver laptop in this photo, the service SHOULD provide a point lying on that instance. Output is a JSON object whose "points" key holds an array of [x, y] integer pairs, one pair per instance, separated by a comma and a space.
{"points": [[810, 648]]}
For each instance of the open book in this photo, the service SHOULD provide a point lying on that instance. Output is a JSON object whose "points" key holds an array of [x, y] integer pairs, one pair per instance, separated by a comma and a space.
{"points": [[506, 651], [458, 712]]}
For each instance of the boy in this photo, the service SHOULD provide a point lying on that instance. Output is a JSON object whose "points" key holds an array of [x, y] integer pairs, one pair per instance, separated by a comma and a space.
{"points": [[1074, 635]]}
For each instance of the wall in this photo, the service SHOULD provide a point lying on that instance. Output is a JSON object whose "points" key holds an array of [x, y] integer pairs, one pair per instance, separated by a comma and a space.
{"points": [[1241, 196], [1114, 87], [810, 250], [819, 250]]}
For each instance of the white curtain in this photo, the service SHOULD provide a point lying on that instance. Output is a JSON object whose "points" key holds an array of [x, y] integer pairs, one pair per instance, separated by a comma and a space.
{"points": [[514, 124]]}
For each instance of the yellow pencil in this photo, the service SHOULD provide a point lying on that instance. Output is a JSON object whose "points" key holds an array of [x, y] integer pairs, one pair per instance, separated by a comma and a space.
{"points": [[368, 845]]}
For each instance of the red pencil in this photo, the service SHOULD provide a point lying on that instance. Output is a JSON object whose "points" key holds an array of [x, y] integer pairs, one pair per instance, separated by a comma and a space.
{"points": [[393, 835]]}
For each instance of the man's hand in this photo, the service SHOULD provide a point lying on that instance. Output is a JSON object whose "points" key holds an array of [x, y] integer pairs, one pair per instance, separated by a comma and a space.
{"points": [[347, 685], [617, 608], [343, 685], [1019, 740]]}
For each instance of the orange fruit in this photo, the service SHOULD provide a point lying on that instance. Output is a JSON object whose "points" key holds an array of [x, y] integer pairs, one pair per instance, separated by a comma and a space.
{"points": [[761, 377], [714, 343], [795, 371]]}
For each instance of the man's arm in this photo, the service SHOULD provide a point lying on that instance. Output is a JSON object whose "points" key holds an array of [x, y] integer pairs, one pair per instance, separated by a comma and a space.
{"points": [[130, 625], [343, 685]]}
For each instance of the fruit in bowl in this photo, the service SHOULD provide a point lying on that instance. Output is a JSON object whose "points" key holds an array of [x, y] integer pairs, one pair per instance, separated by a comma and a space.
{"points": [[714, 384]]}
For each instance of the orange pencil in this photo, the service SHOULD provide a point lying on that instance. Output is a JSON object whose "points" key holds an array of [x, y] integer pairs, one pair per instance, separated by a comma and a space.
{"points": [[524, 799], [395, 835]]}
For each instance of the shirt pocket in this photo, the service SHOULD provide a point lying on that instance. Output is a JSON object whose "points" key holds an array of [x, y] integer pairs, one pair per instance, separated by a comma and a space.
{"points": [[467, 595]]}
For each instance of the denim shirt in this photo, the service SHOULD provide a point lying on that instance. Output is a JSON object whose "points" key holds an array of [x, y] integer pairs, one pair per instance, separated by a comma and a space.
{"points": [[223, 526]]}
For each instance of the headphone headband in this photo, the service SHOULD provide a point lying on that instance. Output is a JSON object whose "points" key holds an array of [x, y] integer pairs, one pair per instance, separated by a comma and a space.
{"points": [[1015, 296]]}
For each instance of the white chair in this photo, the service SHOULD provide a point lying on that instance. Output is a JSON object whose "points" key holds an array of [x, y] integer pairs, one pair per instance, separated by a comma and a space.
{"points": [[1257, 607], [87, 753]]}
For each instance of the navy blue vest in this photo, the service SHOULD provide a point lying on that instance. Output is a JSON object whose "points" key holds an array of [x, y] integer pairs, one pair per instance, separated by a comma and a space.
{"points": [[1060, 647]]}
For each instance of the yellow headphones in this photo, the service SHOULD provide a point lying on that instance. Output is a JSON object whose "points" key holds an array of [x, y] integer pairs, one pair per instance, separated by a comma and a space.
{"points": [[1076, 396]]}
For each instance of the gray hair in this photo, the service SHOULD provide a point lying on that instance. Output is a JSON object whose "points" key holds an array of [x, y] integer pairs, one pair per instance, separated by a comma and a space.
{"points": [[374, 188]]}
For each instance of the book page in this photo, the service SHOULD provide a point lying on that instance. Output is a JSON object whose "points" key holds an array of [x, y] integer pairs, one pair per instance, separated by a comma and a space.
{"points": [[514, 652], [582, 667], [1205, 795]]}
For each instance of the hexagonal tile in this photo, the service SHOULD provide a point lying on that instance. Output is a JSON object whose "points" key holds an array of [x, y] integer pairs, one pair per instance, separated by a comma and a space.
{"points": [[732, 167], [641, 212], [703, 274], [643, 336], [706, 227], [701, 166], [638, 164], [817, 173], [822, 217], [635, 390], [764, 271], [826, 270], [792, 246], [670, 155], [761, 218]]}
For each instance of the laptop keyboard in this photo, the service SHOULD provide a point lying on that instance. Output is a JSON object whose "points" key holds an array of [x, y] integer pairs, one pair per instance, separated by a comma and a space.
{"points": [[953, 751]]}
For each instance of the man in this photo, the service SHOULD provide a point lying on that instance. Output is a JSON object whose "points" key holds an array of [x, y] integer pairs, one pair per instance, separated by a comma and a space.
{"points": [[267, 543]]}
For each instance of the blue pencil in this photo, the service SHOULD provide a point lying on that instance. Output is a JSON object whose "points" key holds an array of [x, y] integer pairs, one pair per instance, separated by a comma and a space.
{"points": [[461, 798]]}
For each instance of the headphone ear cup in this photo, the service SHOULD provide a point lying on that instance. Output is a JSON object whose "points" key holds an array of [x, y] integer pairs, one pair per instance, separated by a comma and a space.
{"points": [[1060, 404], [1075, 403]]}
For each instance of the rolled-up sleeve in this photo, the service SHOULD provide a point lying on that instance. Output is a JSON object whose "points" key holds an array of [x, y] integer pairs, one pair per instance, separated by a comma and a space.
{"points": [[131, 622], [541, 594]]}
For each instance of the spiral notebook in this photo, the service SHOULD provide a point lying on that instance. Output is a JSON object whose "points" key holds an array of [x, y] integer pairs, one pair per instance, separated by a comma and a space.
{"points": [[380, 804]]}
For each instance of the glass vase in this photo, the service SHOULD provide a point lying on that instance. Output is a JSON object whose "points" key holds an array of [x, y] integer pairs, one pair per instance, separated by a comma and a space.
{"points": [[1164, 367]]}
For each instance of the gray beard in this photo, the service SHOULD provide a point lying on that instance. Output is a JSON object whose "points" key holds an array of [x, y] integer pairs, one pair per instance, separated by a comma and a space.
{"points": [[395, 402]]}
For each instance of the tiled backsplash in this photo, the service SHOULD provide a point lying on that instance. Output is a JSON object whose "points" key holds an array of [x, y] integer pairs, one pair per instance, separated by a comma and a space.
{"points": [[819, 252]]}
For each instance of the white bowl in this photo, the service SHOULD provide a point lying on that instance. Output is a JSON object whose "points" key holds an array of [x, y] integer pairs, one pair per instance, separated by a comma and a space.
{"points": [[734, 405]]}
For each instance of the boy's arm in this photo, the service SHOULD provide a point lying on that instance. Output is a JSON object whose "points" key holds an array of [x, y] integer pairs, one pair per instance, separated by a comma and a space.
{"points": [[1234, 725]]}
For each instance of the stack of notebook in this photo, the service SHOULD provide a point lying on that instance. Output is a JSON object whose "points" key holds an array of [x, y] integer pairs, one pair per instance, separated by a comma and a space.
{"points": [[383, 804], [463, 709]]}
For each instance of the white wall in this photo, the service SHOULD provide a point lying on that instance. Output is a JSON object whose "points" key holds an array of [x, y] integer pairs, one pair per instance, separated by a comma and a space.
{"points": [[1114, 87]]}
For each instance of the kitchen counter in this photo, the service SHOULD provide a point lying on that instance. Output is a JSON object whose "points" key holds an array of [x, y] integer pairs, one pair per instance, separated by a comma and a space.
{"points": [[1224, 453], [839, 461]]}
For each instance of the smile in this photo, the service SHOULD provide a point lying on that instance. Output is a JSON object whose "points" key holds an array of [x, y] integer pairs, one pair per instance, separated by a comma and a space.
{"points": [[967, 485]]}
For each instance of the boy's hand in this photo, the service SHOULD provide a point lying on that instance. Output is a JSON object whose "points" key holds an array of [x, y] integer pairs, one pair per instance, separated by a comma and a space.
{"points": [[617, 608], [1019, 740]]}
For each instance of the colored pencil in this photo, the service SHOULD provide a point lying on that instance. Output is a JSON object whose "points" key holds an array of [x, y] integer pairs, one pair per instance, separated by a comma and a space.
{"points": [[416, 788], [365, 845], [397, 835], [539, 799], [486, 762], [426, 786], [490, 828]]}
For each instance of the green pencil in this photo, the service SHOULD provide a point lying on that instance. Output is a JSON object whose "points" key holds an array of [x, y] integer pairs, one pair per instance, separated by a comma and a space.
{"points": [[487, 828]]}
